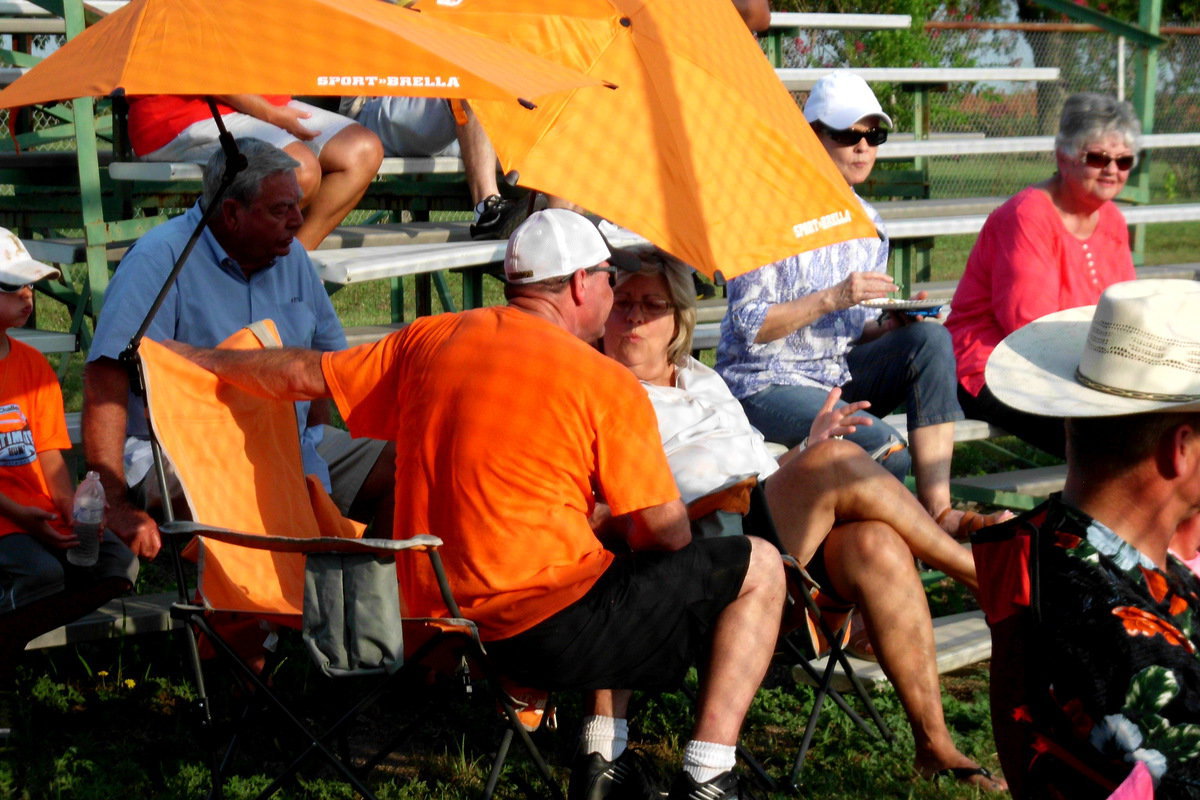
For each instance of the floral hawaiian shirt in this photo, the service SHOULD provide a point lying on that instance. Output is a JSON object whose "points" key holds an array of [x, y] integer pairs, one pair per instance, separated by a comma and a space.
{"points": [[1117, 652]]}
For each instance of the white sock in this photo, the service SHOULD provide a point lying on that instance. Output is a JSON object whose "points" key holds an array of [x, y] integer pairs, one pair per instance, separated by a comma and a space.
{"points": [[604, 735], [704, 761]]}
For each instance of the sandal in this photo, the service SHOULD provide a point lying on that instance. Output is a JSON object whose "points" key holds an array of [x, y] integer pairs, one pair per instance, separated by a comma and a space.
{"points": [[965, 775], [971, 522], [858, 644]]}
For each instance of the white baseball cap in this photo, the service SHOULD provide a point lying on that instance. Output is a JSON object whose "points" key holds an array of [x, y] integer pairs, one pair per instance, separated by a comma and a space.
{"points": [[553, 243], [840, 99], [17, 267]]}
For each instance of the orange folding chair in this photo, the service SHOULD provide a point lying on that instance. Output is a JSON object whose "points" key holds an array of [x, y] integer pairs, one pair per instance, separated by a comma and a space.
{"points": [[271, 545]]}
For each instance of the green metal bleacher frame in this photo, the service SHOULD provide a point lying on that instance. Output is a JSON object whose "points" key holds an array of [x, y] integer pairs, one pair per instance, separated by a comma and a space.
{"points": [[60, 192]]}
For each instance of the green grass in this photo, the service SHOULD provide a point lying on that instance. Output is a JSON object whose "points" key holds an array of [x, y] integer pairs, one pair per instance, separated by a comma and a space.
{"points": [[116, 720]]}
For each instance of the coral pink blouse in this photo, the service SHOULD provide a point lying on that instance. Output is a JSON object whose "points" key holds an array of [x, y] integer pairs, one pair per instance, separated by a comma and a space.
{"points": [[1024, 265]]}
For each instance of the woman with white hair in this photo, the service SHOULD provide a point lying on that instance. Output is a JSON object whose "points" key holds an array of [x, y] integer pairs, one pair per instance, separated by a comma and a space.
{"points": [[1057, 244]]}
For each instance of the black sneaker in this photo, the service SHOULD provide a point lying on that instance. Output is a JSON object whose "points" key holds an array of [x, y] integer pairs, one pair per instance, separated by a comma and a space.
{"points": [[498, 218], [723, 787], [629, 777]]}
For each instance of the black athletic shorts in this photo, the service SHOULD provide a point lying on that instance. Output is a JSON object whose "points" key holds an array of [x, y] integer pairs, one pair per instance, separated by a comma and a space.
{"points": [[758, 522], [640, 626]]}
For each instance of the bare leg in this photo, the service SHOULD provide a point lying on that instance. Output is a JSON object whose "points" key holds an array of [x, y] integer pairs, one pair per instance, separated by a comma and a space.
{"points": [[308, 174], [375, 501], [836, 480], [743, 643], [932, 449], [348, 163], [870, 564], [607, 703], [479, 157]]}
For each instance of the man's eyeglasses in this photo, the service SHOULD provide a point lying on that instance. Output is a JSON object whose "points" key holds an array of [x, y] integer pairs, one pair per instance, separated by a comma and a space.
{"points": [[651, 306], [850, 137], [1098, 160], [612, 273], [13, 288]]}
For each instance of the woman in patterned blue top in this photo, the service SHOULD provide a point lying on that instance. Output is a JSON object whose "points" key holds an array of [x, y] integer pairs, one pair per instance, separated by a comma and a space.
{"points": [[795, 329]]}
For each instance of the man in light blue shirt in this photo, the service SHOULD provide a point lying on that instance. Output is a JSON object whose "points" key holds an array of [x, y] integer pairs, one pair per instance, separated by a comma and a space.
{"points": [[246, 267]]}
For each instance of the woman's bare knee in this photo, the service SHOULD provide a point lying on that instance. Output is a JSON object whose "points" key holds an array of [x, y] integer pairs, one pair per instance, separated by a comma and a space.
{"points": [[869, 548], [352, 148]]}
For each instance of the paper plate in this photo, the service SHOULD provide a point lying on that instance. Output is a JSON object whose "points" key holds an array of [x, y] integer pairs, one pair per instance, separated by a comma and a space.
{"points": [[893, 304]]}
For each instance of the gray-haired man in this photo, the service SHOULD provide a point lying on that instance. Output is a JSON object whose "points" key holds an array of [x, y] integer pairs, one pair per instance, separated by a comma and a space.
{"points": [[246, 266]]}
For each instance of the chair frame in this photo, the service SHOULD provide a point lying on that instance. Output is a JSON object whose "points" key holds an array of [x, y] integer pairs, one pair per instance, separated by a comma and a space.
{"points": [[194, 615], [823, 679], [178, 533]]}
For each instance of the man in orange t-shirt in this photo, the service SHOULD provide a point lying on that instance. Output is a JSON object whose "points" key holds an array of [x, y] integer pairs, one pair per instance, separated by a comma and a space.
{"points": [[508, 427]]}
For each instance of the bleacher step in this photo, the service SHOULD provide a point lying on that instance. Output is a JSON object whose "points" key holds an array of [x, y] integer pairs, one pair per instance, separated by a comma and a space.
{"points": [[965, 430], [364, 334], [384, 234], [73, 250], [123, 616], [1037, 482], [961, 640], [46, 341], [710, 312], [711, 309], [169, 172]]}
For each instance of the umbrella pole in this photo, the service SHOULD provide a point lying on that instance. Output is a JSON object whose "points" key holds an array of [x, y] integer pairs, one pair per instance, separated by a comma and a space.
{"points": [[235, 162]]}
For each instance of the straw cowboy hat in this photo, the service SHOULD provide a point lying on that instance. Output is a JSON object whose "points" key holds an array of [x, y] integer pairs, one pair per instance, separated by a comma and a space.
{"points": [[1140, 351]]}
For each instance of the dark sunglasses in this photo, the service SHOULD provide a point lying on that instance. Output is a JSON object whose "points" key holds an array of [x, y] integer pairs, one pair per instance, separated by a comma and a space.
{"points": [[1102, 160], [13, 288], [850, 137]]}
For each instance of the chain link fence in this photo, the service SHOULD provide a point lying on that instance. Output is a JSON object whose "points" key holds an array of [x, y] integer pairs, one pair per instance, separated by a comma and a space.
{"points": [[1088, 60]]}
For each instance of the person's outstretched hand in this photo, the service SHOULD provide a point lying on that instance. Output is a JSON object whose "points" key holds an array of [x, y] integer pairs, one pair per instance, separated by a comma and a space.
{"points": [[834, 420]]}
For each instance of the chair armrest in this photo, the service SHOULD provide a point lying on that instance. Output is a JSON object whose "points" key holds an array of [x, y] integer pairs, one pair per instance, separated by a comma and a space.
{"points": [[284, 544]]}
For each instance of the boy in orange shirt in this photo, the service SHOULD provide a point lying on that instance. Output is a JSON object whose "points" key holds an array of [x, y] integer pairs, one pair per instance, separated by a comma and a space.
{"points": [[39, 591]]}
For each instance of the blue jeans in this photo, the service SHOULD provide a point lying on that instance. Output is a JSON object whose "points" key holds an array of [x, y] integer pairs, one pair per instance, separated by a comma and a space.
{"points": [[913, 365]]}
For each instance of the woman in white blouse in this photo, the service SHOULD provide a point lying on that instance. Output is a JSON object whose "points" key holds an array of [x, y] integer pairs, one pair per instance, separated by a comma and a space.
{"points": [[854, 526]]}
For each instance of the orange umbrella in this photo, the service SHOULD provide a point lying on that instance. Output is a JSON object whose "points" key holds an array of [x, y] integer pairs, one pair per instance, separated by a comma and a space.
{"points": [[701, 149], [304, 47], [324, 47]]}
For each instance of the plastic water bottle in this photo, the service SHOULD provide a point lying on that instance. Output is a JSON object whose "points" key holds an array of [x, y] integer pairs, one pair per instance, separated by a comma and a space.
{"points": [[89, 514]]}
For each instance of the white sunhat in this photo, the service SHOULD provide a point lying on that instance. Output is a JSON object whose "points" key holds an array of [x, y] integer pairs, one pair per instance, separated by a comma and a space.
{"points": [[840, 99], [1136, 352], [17, 267], [553, 243]]}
